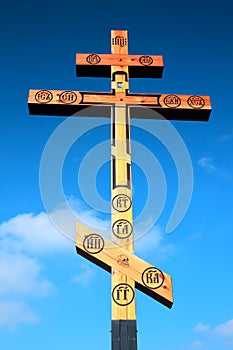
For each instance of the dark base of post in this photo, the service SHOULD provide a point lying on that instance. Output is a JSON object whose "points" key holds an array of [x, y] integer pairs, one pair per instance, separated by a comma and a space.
{"points": [[124, 335]]}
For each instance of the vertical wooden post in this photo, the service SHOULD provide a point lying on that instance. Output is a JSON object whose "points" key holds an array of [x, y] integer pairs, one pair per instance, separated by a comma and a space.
{"points": [[124, 333]]}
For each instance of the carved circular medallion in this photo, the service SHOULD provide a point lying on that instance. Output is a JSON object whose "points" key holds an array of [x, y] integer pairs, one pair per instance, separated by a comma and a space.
{"points": [[121, 202], [196, 102], [123, 294], [122, 228], [93, 243], [172, 101], [152, 277], [43, 96], [93, 59], [146, 60], [69, 97]]}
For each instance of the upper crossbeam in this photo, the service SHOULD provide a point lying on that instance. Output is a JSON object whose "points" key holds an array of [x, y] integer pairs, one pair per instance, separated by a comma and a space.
{"points": [[99, 65]]}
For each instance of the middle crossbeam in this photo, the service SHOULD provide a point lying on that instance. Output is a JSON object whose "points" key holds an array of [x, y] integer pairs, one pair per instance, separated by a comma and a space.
{"points": [[171, 107]]}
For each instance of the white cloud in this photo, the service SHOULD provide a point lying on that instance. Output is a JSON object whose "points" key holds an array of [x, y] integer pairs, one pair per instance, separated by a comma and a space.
{"points": [[150, 240], [225, 137], [207, 164], [66, 217], [32, 233], [225, 330], [196, 344], [22, 241], [26, 238], [37, 234], [200, 327], [221, 334], [21, 275], [153, 241], [13, 313], [85, 276]]}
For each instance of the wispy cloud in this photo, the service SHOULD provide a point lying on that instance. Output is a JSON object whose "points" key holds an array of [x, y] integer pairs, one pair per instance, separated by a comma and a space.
{"points": [[225, 330], [225, 136], [196, 344], [208, 165], [150, 240], [21, 275], [221, 334], [24, 239], [200, 327], [32, 233], [154, 241], [13, 313], [85, 276]]}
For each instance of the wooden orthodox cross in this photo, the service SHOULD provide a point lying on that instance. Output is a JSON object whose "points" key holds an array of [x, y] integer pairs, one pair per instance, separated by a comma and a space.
{"points": [[117, 256]]}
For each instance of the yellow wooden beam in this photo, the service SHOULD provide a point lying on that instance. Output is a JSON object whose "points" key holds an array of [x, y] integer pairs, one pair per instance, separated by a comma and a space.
{"points": [[123, 286], [68, 102], [99, 65], [119, 60], [106, 254]]}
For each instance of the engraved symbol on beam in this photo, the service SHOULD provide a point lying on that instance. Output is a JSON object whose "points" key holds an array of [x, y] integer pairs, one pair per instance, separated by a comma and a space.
{"points": [[152, 277], [121, 202], [148, 279], [93, 243]]}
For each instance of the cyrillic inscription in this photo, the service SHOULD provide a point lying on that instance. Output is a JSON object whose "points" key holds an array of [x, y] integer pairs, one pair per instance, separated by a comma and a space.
{"points": [[119, 40], [123, 294], [152, 277], [93, 59], [121, 202], [93, 243], [122, 229], [146, 60], [172, 101], [196, 102], [43, 96], [68, 97]]}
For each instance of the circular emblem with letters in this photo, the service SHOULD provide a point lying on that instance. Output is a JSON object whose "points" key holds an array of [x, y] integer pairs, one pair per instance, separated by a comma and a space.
{"points": [[196, 102], [43, 96], [152, 277], [172, 101], [69, 97], [146, 60], [122, 228], [123, 294], [93, 59], [121, 202], [93, 243]]}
